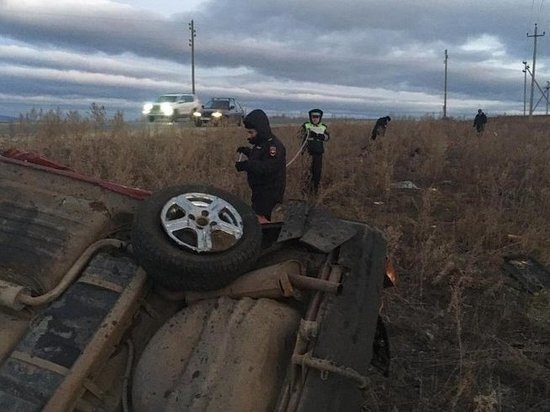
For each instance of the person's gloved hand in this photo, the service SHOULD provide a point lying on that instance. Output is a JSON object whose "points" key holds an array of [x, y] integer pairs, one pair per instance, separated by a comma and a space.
{"points": [[244, 150], [241, 166]]}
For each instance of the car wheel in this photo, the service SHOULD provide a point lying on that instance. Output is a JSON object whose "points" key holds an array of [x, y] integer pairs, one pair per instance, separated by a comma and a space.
{"points": [[195, 237]]}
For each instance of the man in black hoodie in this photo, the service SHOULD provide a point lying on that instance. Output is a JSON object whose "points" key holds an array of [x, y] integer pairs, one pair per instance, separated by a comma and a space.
{"points": [[479, 121], [380, 127], [266, 165]]}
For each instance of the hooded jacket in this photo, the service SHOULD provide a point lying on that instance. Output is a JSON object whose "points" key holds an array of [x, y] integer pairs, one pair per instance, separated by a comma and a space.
{"points": [[266, 168], [380, 127]]}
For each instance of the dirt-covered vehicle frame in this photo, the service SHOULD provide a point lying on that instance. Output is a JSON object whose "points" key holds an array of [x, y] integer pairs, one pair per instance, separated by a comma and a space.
{"points": [[279, 317]]}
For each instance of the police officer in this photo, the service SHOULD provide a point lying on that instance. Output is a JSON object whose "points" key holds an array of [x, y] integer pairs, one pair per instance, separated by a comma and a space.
{"points": [[314, 134], [266, 165]]}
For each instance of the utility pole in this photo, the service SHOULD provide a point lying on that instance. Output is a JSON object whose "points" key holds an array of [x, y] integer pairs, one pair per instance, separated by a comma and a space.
{"points": [[525, 69], [547, 95], [192, 45], [542, 92], [534, 63], [445, 93]]}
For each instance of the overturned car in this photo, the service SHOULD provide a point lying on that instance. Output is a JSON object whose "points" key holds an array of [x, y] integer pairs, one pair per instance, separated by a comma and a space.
{"points": [[112, 298]]}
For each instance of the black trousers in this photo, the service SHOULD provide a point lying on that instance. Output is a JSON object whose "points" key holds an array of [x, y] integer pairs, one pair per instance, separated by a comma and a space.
{"points": [[263, 202], [316, 168]]}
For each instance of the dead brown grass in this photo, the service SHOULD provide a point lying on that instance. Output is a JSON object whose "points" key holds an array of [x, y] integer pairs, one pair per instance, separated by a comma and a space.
{"points": [[462, 334]]}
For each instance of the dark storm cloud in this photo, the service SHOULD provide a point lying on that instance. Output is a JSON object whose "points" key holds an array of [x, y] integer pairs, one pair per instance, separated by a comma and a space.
{"points": [[390, 46], [110, 31]]}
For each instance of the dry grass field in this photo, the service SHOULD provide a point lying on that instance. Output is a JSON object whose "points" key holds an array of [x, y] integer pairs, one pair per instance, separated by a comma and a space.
{"points": [[464, 336]]}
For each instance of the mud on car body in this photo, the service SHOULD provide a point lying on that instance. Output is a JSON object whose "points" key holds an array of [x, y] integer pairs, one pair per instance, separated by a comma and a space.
{"points": [[278, 317]]}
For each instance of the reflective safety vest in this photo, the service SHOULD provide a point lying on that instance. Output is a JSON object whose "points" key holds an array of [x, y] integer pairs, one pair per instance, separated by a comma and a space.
{"points": [[315, 136], [315, 128]]}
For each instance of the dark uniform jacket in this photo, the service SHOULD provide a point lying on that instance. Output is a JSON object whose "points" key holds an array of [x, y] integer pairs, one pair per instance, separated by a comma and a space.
{"points": [[266, 166]]}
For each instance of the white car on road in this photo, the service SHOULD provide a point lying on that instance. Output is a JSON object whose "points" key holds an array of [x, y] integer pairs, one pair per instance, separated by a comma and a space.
{"points": [[171, 106]]}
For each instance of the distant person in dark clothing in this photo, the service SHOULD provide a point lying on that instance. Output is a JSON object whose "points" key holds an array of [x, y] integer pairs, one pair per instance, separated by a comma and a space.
{"points": [[266, 165], [479, 121], [380, 127], [314, 134]]}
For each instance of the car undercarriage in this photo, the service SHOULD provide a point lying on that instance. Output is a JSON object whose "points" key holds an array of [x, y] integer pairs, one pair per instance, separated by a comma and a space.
{"points": [[100, 311]]}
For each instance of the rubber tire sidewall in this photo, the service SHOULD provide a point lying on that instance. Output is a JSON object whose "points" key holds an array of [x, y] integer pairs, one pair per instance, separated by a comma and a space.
{"points": [[176, 268]]}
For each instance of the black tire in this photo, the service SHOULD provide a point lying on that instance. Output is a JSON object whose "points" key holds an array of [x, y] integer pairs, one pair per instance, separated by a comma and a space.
{"points": [[177, 267]]}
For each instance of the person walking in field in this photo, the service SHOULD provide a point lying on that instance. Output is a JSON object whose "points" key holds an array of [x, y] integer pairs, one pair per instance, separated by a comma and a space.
{"points": [[314, 134], [380, 127], [479, 121], [265, 166]]}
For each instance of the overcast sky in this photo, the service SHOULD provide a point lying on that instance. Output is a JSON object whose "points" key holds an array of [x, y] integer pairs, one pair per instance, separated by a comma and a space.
{"points": [[364, 58]]}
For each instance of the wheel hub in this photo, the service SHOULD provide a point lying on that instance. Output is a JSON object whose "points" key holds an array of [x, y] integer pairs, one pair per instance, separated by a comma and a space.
{"points": [[201, 222]]}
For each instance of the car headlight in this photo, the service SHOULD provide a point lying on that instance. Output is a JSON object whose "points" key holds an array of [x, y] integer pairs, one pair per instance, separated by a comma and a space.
{"points": [[217, 115], [166, 109], [197, 114], [147, 107]]}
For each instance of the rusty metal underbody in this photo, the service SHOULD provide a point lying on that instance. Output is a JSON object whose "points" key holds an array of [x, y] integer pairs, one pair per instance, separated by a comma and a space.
{"points": [[47, 220], [59, 361], [333, 346]]}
